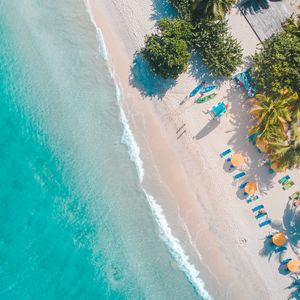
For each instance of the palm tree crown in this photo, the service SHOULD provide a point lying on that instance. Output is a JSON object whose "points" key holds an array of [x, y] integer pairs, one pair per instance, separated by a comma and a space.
{"points": [[215, 9], [287, 153], [272, 115]]}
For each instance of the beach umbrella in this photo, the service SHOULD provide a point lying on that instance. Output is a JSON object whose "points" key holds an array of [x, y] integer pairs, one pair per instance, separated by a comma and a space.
{"points": [[293, 266], [279, 239], [237, 160], [274, 166], [262, 145], [251, 188]]}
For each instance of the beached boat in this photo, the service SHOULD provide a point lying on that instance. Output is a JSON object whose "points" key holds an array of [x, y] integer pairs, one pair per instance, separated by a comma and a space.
{"points": [[207, 89], [196, 89], [206, 98]]}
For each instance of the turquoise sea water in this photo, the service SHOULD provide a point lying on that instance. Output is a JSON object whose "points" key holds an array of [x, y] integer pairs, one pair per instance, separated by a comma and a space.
{"points": [[75, 222]]}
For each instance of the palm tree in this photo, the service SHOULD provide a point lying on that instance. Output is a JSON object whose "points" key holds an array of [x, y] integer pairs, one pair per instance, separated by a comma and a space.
{"points": [[215, 9], [287, 153], [295, 106], [272, 115]]}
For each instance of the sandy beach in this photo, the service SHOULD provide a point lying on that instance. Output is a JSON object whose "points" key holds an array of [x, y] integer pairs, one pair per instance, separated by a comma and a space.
{"points": [[184, 171]]}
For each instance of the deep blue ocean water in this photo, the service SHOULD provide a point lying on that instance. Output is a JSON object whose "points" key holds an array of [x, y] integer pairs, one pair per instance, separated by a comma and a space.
{"points": [[74, 220]]}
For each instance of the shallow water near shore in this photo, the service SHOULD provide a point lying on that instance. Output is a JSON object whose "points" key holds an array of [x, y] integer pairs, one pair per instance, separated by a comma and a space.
{"points": [[75, 221]]}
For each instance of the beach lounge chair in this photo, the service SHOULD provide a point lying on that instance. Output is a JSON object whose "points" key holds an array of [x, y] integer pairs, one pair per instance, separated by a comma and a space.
{"points": [[288, 185], [226, 152], [284, 262], [267, 222], [243, 185], [239, 175], [284, 179], [196, 89], [280, 249], [294, 196], [218, 110], [252, 198], [260, 215], [258, 207]]}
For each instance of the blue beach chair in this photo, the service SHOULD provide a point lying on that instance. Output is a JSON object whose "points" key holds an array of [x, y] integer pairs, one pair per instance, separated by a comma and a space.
{"points": [[284, 262], [284, 179], [226, 152], [239, 175], [280, 249], [260, 215], [258, 207], [267, 222], [243, 185], [252, 198]]}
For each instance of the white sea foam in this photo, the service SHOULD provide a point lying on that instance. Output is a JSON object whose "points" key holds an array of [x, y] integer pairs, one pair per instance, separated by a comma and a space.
{"points": [[128, 139], [175, 248], [102, 47], [134, 150]]}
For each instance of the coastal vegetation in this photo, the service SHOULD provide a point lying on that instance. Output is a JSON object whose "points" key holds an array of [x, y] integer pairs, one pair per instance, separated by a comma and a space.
{"points": [[167, 50], [203, 9], [276, 109], [277, 66], [201, 28], [220, 52]]}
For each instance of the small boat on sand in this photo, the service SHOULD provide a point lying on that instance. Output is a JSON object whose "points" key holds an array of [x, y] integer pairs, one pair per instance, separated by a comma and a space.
{"points": [[207, 89], [196, 89], [206, 98]]}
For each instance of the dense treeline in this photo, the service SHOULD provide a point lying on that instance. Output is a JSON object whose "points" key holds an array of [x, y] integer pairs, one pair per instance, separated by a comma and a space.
{"points": [[201, 27], [277, 109]]}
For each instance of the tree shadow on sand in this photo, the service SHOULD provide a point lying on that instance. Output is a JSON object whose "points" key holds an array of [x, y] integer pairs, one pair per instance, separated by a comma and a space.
{"points": [[253, 6], [199, 71], [295, 287], [290, 225], [162, 9], [268, 250], [240, 119], [148, 83]]}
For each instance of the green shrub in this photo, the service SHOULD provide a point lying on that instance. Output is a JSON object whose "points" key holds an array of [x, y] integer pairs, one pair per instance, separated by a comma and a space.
{"points": [[277, 66], [220, 51], [198, 9], [167, 50]]}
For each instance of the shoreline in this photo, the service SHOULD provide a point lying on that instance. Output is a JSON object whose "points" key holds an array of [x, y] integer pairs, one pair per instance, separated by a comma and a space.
{"points": [[221, 249]]}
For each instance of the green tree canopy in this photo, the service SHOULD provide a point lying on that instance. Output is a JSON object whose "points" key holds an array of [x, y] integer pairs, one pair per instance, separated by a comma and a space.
{"points": [[215, 9], [292, 25], [167, 50], [220, 51], [287, 152], [184, 8], [198, 9], [272, 115], [277, 66]]}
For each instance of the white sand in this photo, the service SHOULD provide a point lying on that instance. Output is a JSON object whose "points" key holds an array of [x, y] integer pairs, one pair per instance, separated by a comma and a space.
{"points": [[199, 196]]}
